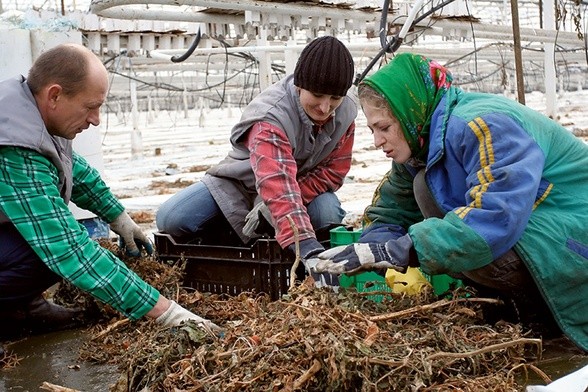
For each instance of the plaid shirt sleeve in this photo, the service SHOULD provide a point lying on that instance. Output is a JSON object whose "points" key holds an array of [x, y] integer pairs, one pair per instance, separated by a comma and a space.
{"points": [[275, 172], [329, 174], [31, 200], [91, 193]]}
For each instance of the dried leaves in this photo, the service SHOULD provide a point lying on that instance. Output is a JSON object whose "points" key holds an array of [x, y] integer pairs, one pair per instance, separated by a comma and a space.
{"points": [[314, 340], [317, 340]]}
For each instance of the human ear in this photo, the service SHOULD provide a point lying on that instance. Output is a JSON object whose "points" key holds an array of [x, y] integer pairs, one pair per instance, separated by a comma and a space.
{"points": [[53, 93]]}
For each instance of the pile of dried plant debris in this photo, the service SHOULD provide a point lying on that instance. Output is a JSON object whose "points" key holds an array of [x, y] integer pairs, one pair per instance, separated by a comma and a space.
{"points": [[311, 339]]}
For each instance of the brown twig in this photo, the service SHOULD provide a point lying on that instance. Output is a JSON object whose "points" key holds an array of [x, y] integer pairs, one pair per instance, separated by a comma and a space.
{"points": [[56, 388], [251, 381], [314, 311], [272, 345], [300, 381], [534, 368], [435, 305], [493, 347], [111, 327], [297, 244], [377, 361]]}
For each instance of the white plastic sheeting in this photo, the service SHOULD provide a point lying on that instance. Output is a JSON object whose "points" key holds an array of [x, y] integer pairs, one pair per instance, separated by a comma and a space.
{"points": [[573, 382]]}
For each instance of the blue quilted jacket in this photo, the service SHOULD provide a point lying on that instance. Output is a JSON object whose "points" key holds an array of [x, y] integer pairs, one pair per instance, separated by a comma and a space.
{"points": [[505, 176]]}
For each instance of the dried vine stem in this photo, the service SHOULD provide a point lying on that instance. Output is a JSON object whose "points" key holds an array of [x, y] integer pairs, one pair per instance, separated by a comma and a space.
{"points": [[316, 366], [297, 244], [272, 345], [377, 361], [314, 311], [56, 388], [546, 379], [438, 304], [112, 326], [493, 347]]}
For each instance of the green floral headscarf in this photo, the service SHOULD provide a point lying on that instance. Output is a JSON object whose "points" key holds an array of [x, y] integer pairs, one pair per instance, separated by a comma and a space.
{"points": [[413, 85]]}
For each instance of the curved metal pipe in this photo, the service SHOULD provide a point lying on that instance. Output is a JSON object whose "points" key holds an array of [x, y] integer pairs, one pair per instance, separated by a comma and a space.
{"points": [[129, 13], [99, 6]]}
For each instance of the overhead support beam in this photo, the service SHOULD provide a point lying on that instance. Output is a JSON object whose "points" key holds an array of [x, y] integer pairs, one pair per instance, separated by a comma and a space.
{"points": [[255, 10], [129, 13], [263, 7], [498, 32]]}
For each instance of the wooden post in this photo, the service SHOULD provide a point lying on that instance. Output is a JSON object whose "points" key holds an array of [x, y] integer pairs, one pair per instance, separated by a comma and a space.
{"points": [[265, 63], [136, 138], [514, 8], [549, 61]]}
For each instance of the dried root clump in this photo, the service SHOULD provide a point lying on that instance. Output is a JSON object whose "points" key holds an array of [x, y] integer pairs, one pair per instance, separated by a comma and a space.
{"points": [[8, 359]]}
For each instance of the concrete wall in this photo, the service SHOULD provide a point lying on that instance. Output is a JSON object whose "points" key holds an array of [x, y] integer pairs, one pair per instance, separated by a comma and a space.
{"points": [[15, 46]]}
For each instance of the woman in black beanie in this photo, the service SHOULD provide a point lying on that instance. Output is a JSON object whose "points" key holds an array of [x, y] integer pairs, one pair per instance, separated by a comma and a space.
{"points": [[291, 152]]}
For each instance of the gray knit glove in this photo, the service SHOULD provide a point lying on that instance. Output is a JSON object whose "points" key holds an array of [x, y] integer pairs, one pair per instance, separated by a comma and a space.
{"points": [[253, 217], [132, 238]]}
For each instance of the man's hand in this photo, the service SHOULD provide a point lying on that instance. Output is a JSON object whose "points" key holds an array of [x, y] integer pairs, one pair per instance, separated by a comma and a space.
{"points": [[176, 315], [359, 257], [131, 236]]}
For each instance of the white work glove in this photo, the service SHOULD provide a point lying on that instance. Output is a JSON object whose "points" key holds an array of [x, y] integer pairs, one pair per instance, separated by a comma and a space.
{"points": [[252, 219], [132, 238], [176, 315]]}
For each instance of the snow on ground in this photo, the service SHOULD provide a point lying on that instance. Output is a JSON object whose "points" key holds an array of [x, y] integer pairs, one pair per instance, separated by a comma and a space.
{"points": [[178, 148]]}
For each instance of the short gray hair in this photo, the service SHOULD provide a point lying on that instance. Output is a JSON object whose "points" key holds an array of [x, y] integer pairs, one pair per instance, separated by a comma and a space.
{"points": [[65, 64]]}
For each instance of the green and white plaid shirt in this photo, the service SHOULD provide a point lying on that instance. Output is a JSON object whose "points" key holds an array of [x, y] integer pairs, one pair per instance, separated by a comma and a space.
{"points": [[30, 198]]}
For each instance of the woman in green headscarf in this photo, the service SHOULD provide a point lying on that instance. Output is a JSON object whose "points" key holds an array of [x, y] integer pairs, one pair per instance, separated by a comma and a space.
{"points": [[499, 186]]}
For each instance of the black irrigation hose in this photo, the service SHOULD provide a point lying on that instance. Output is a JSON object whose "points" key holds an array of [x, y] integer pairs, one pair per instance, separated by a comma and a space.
{"points": [[191, 49], [388, 46], [394, 43]]}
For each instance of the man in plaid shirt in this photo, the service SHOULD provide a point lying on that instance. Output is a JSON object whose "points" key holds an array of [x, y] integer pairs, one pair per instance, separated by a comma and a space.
{"points": [[291, 152], [40, 240]]}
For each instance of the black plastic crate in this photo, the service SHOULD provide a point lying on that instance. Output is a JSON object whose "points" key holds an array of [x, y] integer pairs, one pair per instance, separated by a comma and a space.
{"points": [[263, 267]]}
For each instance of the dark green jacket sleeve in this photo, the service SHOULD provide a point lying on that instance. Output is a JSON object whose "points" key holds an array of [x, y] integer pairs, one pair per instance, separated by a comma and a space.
{"points": [[393, 201], [90, 193]]}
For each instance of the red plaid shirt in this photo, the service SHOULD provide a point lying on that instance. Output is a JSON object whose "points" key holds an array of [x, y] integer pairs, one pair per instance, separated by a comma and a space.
{"points": [[279, 185]]}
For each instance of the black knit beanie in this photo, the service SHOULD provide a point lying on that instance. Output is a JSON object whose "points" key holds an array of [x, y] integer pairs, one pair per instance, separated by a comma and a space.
{"points": [[325, 66]]}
